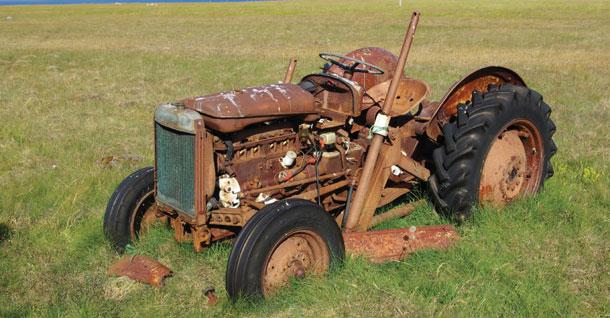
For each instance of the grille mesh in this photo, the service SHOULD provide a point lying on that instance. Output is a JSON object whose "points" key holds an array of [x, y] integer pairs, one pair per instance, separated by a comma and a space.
{"points": [[175, 156]]}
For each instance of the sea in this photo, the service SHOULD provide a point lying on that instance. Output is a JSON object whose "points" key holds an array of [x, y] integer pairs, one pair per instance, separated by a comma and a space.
{"points": [[54, 2]]}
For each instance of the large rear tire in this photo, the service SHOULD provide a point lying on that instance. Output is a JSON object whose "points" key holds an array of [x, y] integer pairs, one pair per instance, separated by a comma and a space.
{"points": [[290, 238], [131, 209], [496, 150]]}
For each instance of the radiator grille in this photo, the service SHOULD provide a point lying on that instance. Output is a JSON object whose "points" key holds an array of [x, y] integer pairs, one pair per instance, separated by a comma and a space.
{"points": [[175, 158]]}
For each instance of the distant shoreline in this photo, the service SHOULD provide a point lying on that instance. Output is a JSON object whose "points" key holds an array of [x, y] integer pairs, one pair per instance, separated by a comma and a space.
{"points": [[68, 2]]}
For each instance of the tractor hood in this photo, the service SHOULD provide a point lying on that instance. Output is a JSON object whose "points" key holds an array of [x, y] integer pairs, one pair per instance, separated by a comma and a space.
{"points": [[234, 110]]}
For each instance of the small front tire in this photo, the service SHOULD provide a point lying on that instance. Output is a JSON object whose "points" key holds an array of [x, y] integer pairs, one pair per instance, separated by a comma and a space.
{"points": [[290, 238], [131, 209]]}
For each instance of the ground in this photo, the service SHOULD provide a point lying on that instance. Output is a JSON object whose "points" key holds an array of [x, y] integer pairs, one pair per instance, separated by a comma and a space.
{"points": [[79, 84]]}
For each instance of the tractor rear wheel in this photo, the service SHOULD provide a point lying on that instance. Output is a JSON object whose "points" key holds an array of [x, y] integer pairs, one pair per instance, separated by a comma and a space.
{"points": [[496, 150], [131, 209], [288, 239]]}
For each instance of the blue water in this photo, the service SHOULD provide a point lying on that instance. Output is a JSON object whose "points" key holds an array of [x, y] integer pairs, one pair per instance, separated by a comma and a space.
{"points": [[28, 2]]}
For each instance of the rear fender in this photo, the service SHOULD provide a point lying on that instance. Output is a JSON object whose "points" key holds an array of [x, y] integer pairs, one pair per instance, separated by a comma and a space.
{"points": [[461, 92]]}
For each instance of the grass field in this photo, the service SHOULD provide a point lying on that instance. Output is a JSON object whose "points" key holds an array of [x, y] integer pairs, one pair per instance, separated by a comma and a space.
{"points": [[79, 83]]}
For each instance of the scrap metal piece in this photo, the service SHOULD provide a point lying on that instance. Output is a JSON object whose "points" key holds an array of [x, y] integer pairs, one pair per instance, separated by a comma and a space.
{"points": [[395, 244], [142, 269], [210, 293]]}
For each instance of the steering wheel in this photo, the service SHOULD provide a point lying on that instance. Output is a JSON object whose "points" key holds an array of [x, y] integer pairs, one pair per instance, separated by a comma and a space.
{"points": [[333, 59]]}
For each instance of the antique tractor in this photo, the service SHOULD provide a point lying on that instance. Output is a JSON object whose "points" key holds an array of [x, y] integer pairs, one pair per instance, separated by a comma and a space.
{"points": [[296, 172]]}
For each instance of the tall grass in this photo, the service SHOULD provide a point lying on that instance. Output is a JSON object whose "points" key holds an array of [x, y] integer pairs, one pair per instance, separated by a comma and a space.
{"points": [[79, 83]]}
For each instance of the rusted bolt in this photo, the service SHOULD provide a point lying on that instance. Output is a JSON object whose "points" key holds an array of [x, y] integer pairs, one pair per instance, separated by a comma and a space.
{"points": [[299, 273], [210, 293]]}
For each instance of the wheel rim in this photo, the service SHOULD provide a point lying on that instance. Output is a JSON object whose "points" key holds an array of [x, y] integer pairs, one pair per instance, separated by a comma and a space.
{"points": [[299, 254], [512, 167], [143, 216]]}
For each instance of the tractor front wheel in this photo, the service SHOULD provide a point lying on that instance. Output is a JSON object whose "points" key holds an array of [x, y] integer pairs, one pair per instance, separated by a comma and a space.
{"points": [[131, 209], [289, 239], [497, 149]]}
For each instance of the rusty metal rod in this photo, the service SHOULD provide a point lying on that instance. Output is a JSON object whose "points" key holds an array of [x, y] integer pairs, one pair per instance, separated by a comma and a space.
{"points": [[373, 152], [324, 190], [395, 213], [297, 182], [290, 70], [347, 203]]}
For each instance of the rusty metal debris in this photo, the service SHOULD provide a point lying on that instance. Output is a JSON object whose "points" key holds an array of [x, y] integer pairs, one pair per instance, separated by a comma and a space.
{"points": [[210, 293], [142, 269], [395, 244]]}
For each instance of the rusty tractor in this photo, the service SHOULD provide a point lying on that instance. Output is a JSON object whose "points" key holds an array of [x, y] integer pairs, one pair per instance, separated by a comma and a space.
{"points": [[296, 172]]}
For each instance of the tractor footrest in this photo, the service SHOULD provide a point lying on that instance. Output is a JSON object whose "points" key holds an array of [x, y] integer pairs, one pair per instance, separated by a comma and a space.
{"points": [[395, 244]]}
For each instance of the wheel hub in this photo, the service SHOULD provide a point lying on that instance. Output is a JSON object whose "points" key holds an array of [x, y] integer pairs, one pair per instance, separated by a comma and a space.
{"points": [[299, 255], [506, 170], [513, 181]]}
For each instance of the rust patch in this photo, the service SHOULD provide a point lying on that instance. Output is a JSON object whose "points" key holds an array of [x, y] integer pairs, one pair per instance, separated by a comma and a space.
{"points": [[373, 55], [142, 269], [461, 92], [396, 244], [512, 166], [210, 293], [410, 93], [301, 253], [234, 110]]}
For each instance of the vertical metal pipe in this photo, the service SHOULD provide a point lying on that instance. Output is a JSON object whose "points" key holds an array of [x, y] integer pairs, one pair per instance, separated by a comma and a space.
{"points": [[347, 204], [377, 142], [290, 70], [200, 197]]}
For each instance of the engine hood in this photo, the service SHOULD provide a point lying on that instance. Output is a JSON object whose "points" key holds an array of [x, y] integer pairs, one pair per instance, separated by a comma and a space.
{"points": [[234, 110]]}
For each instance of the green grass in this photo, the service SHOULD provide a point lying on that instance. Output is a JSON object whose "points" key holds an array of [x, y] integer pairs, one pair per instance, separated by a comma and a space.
{"points": [[79, 83]]}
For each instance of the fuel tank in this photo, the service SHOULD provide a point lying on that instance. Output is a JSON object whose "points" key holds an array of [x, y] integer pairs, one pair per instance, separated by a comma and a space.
{"points": [[234, 110], [382, 58]]}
